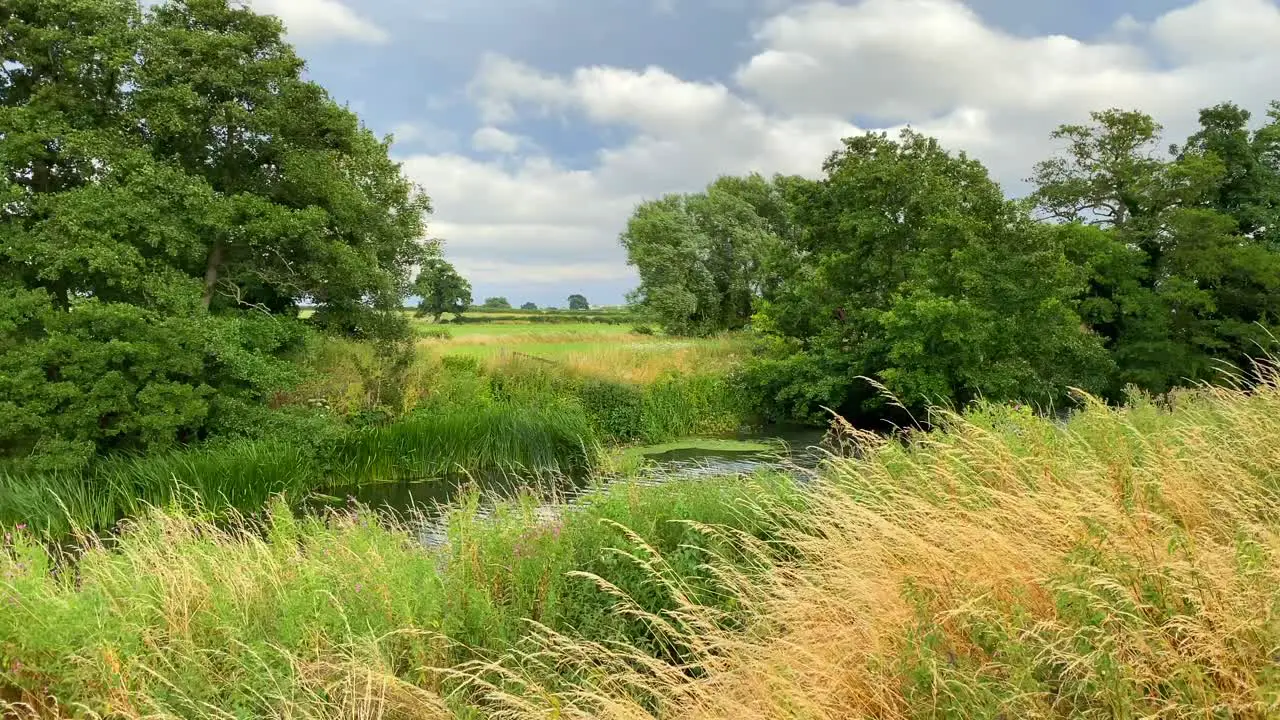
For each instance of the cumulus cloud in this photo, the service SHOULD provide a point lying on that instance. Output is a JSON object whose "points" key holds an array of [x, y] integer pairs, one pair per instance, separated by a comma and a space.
{"points": [[321, 20], [492, 139], [933, 64]]}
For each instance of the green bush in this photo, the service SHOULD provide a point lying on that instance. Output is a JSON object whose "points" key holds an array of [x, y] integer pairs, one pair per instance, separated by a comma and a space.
{"points": [[616, 409]]}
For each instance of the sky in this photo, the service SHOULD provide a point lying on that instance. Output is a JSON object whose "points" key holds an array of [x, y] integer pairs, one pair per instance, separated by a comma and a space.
{"points": [[536, 126]]}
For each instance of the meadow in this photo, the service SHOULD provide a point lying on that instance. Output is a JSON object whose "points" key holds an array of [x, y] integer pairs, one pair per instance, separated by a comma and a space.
{"points": [[1125, 563]]}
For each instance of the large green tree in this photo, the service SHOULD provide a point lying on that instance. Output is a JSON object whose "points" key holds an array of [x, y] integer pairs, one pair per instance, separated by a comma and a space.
{"points": [[1183, 270], [441, 289], [699, 255], [911, 269], [170, 190]]}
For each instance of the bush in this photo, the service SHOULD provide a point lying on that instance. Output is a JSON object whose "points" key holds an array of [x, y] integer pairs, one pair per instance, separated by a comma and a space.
{"points": [[615, 408], [435, 333], [642, 330]]}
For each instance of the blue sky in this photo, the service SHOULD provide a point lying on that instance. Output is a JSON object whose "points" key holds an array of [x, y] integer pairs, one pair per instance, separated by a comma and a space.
{"points": [[536, 125]]}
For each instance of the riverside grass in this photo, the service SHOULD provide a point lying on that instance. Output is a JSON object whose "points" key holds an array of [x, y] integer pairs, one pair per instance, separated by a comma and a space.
{"points": [[1125, 563], [184, 618], [242, 476], [460, 418]]}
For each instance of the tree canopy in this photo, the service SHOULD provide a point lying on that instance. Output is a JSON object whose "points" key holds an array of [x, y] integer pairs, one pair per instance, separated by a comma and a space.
{"points": [[700, 255], [441, 289], [529, 306], [497, 303], [905, 268], [578, 302], [171, 190], [1180, 249]]}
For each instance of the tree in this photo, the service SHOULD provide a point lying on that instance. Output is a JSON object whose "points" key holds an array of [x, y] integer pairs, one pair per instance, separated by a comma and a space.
{"points": [[1174, 285], [529, 306], [909, 267], [578, 302], [497, 303], [442, 289], [170, 190], [700, 255]]}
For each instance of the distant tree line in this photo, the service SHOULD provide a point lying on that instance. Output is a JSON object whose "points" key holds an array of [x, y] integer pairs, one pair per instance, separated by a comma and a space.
{"points": [[906, 265]]}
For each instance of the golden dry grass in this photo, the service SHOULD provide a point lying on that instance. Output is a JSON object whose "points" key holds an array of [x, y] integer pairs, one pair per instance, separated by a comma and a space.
{"points": [[1127, 565]]}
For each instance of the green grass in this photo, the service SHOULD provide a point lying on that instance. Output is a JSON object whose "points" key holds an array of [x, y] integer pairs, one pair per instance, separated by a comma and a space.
{"points": [[182, 618], [706, 444], [438, 443], [241, 476]]}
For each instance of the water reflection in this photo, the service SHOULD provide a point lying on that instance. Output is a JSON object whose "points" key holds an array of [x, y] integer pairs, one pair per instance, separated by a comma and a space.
{"points": [[796, 452]]}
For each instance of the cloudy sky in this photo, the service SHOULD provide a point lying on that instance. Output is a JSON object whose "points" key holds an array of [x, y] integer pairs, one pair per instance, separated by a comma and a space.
{"points": [[537, 125]]}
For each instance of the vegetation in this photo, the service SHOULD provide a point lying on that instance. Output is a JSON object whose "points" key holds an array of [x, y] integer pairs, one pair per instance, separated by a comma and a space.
{"points": [[529, 306], [906, 266], [173, 192], [701, 256], [441, 290], [1121, 564], [170, 190], [183, 618], [382, 418]]}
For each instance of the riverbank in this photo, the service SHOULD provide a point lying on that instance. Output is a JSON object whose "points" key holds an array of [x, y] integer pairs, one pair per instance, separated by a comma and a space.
{"points": [[1121, 564], [181, 616], [366, 418]]}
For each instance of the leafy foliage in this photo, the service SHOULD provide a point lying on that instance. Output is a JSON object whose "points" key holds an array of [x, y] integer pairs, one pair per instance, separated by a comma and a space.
{"points": [[911, 271], [700, 255], [578, 302], [497, 303], [1181, 251], [442, 289], [170, 190]]}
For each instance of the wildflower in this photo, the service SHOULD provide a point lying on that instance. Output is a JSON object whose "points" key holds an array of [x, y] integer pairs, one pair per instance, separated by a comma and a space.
{"points": [[358, 587], [21, 527]]}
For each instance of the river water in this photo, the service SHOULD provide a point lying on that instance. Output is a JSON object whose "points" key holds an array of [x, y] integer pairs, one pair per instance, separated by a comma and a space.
{"points": [[797, 452]]}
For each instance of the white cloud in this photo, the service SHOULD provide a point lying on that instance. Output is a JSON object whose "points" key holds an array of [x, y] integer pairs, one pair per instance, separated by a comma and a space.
{"points": [[1221, 30], [492, 139], [321, 20], [932, 63]]}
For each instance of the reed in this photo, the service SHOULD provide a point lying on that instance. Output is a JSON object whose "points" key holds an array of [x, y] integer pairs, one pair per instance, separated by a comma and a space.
{"points": [[456, 440]]}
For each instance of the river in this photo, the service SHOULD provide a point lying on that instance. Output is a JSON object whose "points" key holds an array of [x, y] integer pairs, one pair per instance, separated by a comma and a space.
{"points": [[792, 451]]}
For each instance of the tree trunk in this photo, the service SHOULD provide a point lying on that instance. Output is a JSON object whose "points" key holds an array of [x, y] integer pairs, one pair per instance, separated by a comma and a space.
{"points": [[211, 273]]}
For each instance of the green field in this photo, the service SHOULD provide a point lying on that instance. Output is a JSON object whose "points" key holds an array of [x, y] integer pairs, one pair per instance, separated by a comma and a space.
{"points": [[595, 349]]}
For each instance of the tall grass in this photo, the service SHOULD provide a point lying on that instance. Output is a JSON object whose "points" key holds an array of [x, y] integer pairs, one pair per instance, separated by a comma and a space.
{"points": [[314, 617], [239, 475], [1126, 565], [1123, 564], [439, 442]]}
